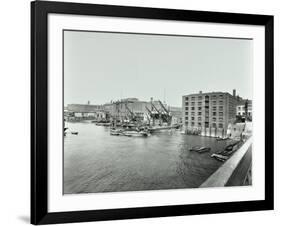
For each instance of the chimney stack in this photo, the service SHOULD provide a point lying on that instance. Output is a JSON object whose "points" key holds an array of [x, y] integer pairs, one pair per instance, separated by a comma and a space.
{"points": [[234, 92], [200, 92]]}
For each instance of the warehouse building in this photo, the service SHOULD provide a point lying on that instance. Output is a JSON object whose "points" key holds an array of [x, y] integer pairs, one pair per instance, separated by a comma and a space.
{"points": [[209, 113]]}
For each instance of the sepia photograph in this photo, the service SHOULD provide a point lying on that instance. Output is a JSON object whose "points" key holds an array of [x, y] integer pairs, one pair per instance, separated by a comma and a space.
{"points": [[155, 111]]}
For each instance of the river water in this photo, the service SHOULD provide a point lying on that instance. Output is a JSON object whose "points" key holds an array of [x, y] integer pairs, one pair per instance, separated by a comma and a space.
{"points": [[95, 161]]}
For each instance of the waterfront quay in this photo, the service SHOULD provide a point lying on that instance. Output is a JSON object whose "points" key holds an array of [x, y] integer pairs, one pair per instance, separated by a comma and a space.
{"points": [[95, 161]]}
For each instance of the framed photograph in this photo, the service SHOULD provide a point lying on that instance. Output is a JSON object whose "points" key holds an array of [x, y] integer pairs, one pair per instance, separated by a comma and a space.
{"points": [[145, 112]]}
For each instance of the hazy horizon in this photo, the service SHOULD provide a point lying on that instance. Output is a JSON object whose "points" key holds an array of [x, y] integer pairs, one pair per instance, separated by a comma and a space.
{"points": [[100, 67]]}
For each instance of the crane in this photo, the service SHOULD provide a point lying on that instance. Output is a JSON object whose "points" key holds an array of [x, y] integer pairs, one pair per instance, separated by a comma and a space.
{"points": [[150, 114], [153, 106], [166, 117], [129, 110], [165, 109]]}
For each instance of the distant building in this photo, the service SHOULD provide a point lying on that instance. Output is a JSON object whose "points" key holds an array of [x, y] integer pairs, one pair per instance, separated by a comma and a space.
{"points": [[209, 113], [126, 109], [84, 111], [84, 108], [176, 113], [241, 110]]}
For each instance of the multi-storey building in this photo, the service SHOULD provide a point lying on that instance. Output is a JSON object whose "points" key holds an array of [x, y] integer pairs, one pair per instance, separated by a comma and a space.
{"points": [[209, 113], [241, 108]]}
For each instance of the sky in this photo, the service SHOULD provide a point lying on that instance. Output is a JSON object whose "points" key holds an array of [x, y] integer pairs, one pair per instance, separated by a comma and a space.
{"points": [[100, 67]]}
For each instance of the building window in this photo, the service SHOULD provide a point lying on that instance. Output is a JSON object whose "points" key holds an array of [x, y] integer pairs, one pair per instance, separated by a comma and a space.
{"points": [[199, 103], [220, 125], [221, 102], [192, 103], [192, 123], [214, 125], [214, 119], [186, 123], [186, 118], [186, 108], [199, 108], [192, 98], [206, 124], [192, 118], [186, 98], [214, 108], [186, 113], [199, 118], [214, 102], [200, 98], [199, 113], [192, 108], [192, 113], [186, 103], [214, 97], [221, 96], [220, 113], [220, 108], [199, 124], [220, 119], [214, 113]]}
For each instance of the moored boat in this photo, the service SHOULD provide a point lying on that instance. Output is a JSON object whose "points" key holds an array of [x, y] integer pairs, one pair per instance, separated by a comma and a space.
{"points": [[200, 149], [222, 138], [116, 132], [136, 133], [220, 157], [103, 124]]}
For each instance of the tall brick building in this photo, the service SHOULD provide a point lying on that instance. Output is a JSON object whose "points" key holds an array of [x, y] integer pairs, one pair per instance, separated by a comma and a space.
{"points": [[209, 113]]}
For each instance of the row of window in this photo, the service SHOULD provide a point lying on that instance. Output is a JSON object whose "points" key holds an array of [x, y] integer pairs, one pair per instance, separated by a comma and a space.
{"points": [[200, 108], [241, 108], [214, 113], [193, 108], [214, 119], [244, 113], [199, 124], [213, 97], [206, 102]]}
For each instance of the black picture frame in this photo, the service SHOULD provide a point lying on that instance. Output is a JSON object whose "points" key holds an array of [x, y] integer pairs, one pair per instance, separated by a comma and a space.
{"points": [[39, 112]]}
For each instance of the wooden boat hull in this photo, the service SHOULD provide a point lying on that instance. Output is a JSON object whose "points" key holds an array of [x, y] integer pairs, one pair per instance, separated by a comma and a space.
{"points": [[135, 134], [200, 149]]}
